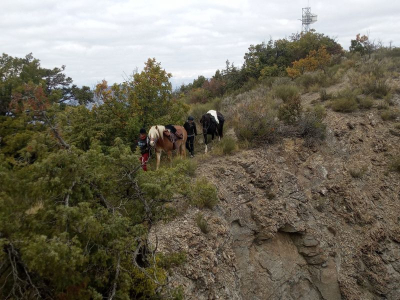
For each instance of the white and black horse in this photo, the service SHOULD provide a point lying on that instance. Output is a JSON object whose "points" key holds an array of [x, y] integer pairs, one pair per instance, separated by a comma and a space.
{"points": [[213, 123]]}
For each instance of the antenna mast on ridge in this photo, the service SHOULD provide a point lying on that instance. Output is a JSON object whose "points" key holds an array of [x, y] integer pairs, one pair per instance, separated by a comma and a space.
{"points": [[307, 19]]}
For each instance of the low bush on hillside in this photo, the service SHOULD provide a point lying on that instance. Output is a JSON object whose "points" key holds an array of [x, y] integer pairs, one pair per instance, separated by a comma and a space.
{"points": [[289, 111], [372, 78], [345, 101], [202, 223], [324, 95], [255, 120], [390, 114], [204, 194], [311, 125], [226, 146], [365, 102]]}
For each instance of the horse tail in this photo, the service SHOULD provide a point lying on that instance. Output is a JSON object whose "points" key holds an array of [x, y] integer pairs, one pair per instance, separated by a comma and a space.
{"points": [[221, 129]]}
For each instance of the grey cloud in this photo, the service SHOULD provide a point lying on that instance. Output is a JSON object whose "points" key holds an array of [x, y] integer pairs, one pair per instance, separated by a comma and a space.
{"points": [[106, 39]]}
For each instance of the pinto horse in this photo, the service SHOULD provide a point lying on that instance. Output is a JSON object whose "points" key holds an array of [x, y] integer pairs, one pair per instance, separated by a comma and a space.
{"points": [[210, 126], [162, 143]]}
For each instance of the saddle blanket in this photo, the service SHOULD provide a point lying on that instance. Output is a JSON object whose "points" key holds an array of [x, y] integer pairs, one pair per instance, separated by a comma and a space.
{"points": [[214, 114]]}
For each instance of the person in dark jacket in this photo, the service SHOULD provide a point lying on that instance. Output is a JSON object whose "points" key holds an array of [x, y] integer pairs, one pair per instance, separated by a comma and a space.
{"points": [[144, 146], [191, 130]]}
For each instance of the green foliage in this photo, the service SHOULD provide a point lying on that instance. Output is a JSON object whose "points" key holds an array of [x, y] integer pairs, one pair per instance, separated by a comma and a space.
{"points": [[18, 73], [204, 194], [324, 95], [365, 102], [75, 207], [345, 101], [255, 120], [171, 260], [345, 105], [287, 93], [311, 125], [202, 223], [290, 110], [261, 62], [372, 78], [226, 146], [390, 114]]}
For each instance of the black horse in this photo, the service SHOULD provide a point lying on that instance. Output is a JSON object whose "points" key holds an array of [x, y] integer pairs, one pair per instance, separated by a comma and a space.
{"points": [[210, 126]]}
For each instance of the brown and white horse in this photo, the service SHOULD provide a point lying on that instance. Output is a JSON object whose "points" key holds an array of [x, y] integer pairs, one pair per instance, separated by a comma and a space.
{"points": [[162, 143]]}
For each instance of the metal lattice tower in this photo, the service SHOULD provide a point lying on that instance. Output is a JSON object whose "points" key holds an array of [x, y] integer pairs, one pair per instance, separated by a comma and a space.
{"points": [[307, 19]]}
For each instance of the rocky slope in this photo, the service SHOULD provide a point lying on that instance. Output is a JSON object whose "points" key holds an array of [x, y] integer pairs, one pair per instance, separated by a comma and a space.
{"points": [[295, 222]]}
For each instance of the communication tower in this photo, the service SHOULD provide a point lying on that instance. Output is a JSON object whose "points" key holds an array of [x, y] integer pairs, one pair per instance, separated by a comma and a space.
{"points": [[307, 19]]}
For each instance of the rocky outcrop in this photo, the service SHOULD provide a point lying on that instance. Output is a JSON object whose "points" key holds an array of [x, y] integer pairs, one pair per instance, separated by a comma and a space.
{"points": [[295, 222]]}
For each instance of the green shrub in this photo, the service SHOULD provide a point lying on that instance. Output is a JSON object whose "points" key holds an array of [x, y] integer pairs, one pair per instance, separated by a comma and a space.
{"points": [[286, 92], [311, 125], [226, 146], [390, 114], [365, 103], [344, 105], [289, 112], [204, 194], [202, 223], [345, 101], [323, 95], [185, 166], [171, 260], [255, 120]]}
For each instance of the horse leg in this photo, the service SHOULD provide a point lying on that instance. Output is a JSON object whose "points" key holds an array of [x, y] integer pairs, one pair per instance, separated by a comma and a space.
{"points": [[183, 149], [205, 142], [170, 156], [158, 154]]}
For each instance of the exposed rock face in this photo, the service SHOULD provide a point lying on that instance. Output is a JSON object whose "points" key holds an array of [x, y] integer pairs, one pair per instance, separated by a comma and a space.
{"points": [[293, 223]]}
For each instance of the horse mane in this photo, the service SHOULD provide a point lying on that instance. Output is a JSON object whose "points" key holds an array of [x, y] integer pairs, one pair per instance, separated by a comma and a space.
{"points": [[157, 132]]}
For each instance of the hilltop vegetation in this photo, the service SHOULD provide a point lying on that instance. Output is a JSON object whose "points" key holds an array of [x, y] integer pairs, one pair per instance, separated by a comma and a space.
{"points": [[75, 211]]}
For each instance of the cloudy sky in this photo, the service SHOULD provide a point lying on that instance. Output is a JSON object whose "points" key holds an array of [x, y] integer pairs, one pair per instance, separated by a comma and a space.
{"points": [[108, 39]]}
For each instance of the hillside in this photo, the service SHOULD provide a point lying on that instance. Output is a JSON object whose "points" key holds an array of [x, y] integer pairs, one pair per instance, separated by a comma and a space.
{"points": [[295, 222], [299, 200]]}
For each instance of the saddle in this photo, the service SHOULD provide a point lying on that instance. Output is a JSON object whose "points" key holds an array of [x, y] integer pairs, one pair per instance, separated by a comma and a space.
{"points": [[173, 136]]}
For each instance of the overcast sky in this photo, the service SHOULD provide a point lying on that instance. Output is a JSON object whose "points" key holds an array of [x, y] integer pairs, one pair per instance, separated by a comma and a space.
{"points": [[106, 39]]}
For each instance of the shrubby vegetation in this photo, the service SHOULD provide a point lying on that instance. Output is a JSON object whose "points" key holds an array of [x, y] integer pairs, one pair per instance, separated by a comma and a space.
{"points": [[75, 209]]}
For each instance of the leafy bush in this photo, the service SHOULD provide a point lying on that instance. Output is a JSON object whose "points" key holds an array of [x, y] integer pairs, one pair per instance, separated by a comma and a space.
{"points": [[202, 223], [185, 166], [226, 146], [311, 125], [344, 105], [204, 194], [255, 120], [286, 92], [171, 260], [390, 114], [372, 79], [323, 95], [365, 103], [289, 111], [345, 101]]}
